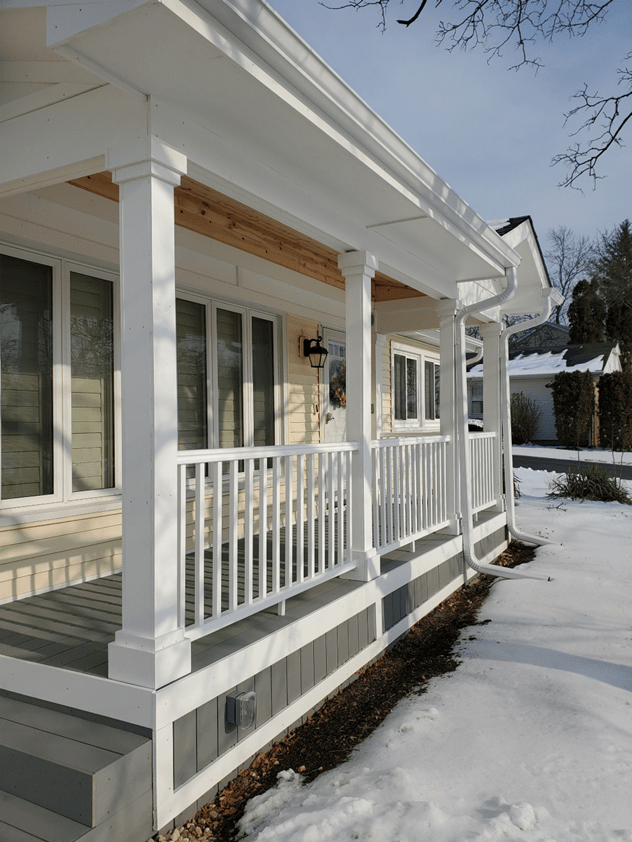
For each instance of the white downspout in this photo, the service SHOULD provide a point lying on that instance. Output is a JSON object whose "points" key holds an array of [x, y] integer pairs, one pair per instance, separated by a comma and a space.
{"points": [[469, 552], [550, 298]]}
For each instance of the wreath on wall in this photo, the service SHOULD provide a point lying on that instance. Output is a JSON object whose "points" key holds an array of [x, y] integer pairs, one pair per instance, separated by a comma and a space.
{"points": [[338, 385]]}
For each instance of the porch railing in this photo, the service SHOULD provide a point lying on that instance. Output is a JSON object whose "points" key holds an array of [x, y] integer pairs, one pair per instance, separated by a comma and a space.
{"points": [[258, 525], [482, 463], [409, 489]]}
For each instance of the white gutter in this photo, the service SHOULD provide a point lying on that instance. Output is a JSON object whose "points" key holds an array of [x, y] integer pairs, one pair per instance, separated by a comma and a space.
{"points": [[550, 298], [469, 552]]}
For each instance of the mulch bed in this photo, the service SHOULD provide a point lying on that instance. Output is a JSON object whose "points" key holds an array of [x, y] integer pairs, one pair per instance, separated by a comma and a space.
{"points": [[330, 735]]}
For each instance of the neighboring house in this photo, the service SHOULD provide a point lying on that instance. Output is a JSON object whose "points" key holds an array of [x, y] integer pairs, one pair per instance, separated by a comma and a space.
{"points": [[544, 336], [531, 371], [203, 536]]}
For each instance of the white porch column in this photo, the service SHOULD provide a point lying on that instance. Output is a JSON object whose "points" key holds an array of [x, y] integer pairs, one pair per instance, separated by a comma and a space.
{"points": [[359, 267], [446, 310], [151, 649], [492, 420]]}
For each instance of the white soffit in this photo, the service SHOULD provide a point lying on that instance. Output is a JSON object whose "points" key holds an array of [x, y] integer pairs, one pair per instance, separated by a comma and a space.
{"points": [[235, 65]]}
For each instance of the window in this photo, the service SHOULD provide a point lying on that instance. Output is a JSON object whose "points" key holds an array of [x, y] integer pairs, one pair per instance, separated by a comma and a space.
{"points": [[227, 375], [57, 374], [26, 345], [415, 389], [431, 390], [406, 388], [476, 406]]}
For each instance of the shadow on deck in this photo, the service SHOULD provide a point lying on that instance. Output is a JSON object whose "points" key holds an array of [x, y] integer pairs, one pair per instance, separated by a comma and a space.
{"points": [[71, 627]]}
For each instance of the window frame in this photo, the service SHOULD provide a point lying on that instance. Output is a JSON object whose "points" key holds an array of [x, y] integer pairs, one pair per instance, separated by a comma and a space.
{"points": [[62, 382], [476, 396], [421, 357], [434, 420], [212, 305]]}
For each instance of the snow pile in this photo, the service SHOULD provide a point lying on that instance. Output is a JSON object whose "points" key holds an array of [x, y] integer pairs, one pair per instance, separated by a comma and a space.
{"points": [[530, 739]]}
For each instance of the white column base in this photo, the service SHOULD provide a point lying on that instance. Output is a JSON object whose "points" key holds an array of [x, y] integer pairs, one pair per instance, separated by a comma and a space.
{"points": [[454, 527], [499, 505], [367, 569], [149, 662]]}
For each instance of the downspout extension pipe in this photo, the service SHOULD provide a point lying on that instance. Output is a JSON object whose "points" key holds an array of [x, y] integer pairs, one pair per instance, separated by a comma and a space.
{"points": [[469, 552], [550, 298]]}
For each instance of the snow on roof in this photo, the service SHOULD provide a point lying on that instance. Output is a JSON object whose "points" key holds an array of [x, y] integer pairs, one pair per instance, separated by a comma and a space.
{"points": [[532, 362]]}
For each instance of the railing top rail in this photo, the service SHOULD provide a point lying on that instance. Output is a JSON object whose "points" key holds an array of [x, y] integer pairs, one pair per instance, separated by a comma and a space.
{"points": [[228, 454], [482, 435], [394, 442]]}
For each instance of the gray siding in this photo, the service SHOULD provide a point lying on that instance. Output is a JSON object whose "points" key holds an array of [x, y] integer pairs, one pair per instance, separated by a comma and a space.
{"points": [[201, 736], [492, 543], [403, 601]]}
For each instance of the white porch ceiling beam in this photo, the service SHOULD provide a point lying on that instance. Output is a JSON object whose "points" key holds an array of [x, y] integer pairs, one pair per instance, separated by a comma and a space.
{"points": [[98, 70], [106, 117], [48, 72], [406, 316]]}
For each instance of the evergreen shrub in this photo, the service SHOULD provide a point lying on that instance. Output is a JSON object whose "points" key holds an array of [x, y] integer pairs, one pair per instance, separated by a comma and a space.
{"points": [[615, 410], [573, 407]]}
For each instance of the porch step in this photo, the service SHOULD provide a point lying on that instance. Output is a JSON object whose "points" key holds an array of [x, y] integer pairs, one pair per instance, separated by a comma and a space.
{"points": [[23, 821], [92, 776]]}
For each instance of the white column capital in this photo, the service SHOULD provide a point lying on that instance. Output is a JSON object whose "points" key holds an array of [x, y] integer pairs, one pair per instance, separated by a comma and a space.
{"points": [[491, 329], [448, 307], [357, 263], [149, 156]]}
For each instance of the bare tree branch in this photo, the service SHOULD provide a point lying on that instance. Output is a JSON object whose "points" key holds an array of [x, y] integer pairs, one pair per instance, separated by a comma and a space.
{"points": [[496, 25], [608, 115], [568, 261], [416, 15]]}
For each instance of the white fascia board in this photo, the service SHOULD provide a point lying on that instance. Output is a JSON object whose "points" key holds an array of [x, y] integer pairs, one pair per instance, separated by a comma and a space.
{"points": [[405, 316], [338, 120], [256, 39], [257, 25]]}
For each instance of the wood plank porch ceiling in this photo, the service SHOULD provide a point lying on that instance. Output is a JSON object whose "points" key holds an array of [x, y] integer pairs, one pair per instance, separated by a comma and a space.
{"points": [[212, 214]]}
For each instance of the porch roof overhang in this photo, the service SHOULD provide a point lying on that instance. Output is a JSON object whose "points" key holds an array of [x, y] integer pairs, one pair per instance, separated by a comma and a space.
{"points": [[266, 123], [520, 234]]}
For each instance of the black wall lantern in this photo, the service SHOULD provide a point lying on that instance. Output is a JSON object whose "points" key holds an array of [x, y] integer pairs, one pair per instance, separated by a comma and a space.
{"points": [[315, 351]]}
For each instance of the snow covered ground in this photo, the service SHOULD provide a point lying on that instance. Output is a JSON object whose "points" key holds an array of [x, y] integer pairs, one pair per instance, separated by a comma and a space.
{"points": [[530, 739]]}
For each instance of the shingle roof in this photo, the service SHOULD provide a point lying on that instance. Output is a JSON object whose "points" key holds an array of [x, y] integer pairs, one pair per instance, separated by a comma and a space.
{"points": [[504, 226]]}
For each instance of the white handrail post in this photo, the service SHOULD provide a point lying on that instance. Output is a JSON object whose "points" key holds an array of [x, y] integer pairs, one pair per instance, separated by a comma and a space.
{"points": [[151, 649], [447, 310], [358, 269], [492, 419]]}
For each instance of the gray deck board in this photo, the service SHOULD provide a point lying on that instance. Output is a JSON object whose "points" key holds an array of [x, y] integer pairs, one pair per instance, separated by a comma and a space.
{"points": [[71, 627]]}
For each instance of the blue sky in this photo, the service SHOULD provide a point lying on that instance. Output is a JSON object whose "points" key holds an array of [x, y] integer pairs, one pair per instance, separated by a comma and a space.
{"points": [[489, 132]]}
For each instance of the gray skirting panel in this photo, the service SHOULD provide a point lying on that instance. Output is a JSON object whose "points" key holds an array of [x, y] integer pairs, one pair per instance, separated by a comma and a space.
{"points": [[404, 600], [203, 735]]}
